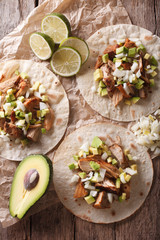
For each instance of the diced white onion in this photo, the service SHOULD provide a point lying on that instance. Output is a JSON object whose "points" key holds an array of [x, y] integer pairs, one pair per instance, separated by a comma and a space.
{"points": [[110, 197], [42, 89], [102, 172], [93, 193], [126, 88], [20, 106], [42, 106], [85, 147], [118, 64], [138, 73], [93, 89], [157, 112], [138, 43], [87, 185], [27, 118], [122, 40], [150, 71], [121, 55], [119, 73], [130, 171], [134, 66], [122, 178], [74, 179], [37, 94], [134, 39], [90, 175], [148, 66], [104, 156]]}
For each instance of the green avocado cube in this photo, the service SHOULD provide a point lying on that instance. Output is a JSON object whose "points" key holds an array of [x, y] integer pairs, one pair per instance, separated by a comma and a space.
{"points": [[153, 61], [105, 58], [97, 142], [89, 199], [98, 74], [82, 174], [94, 151], [114, 161], [24, 142], [71, 166], [152, 83], [101, 84], [139, 85], [22, 114], [132, 52], [147, 56], [2, 114], [153, 74], [95, 166], [104, 92], [24, 75], [118, 183], [125, 59], [21, 99], [128, 102], [17, 72], [122, 49], [43, 130], [135, 99], [13, 104], [153, 67], [30, 116], [123, 196], [44, 98], [76, 157], [142, 48], [114, 60]]}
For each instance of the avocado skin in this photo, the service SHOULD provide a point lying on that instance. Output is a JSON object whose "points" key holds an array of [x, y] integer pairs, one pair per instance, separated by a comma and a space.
{"points": [[49, 162]]}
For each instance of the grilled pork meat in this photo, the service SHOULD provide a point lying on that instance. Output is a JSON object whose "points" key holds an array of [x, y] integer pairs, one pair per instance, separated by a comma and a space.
{"points": [[107, 185], [80, 190], [129, 43], [102, 201], [33, 134], [117, 97], [12, 130], [10, 83], [111, 50], [49, 118], [99, 62], [117, 151]]}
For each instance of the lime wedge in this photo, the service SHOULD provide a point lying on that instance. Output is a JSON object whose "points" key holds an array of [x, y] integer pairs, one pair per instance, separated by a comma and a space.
{"points": [[66, 61], [57, 26], [42, 45], [78, 44]]}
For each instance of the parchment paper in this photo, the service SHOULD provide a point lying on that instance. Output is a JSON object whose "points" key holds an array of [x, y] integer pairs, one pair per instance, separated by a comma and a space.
{"points": [[85, 17]]}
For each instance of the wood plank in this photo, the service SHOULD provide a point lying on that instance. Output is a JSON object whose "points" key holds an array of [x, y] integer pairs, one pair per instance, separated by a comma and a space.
{"points": [[157, 16], [12, 13], [55, 222]]}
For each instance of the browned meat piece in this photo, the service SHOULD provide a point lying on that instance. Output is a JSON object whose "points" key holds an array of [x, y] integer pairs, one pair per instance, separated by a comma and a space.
{"points": [[80, 190], [126, 65], [2, 121], [106, 70], [142, 93], [145, 79], [111, 50], [10, 83], [102, 201], [84, 164], [33, 134], [107, 185], [117, 97], [23, 87], [35, 126], [125, 188], [111, 65], [49, 118], [140, 64], [109, 82], [121, 89], [129, 44], [99, 62], [12, 130], [112, 170], [32, 104], [131, 89], [13, 117], [117, 151]]}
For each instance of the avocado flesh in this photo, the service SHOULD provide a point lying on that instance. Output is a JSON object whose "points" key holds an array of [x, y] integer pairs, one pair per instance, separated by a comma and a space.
{"points": [[21, 199]]}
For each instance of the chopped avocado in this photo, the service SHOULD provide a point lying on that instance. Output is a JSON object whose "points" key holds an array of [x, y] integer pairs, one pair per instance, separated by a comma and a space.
{"points": [[120, 199], [2, 114], [44, 98], [139, 85], [94, 151], [126, 151], [135, 99], [104, 92], [36, 86], [134, 167], [24, 75], [109, 160], [118, 183], [130, 157], [152, 83], [43, 130], [98, 74], [105, 58], [30, 115], [10, 98], [132, 52], [121, 170], [71, 166], [89, 199], [119, 82], [76, 157], [13, 104], [123, 196], [147, 56], [97, 142], [21, 99], [80, 154], [44, 112], [101, 84], [24, 142], [10, 91], [142, 48], [122, 49], [38, 113], [114, 60], [125, 59], [114, 161], [82, 174], [127, 178], [95, 166], [22, 114], [25, 178], [153, 67], [153, 74], [17, 72], [128, 102], [153, 61]]}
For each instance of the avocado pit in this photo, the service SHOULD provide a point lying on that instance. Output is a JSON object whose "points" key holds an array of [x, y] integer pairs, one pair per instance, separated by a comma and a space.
{"points": [[31, 179]]}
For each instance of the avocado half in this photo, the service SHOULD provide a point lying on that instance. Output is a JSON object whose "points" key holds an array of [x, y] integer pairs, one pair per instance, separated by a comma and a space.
{"points": [[22, 197]]}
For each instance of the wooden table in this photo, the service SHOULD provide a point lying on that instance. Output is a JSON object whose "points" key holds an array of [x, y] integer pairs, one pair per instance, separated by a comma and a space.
{"points": [[56, 222]]}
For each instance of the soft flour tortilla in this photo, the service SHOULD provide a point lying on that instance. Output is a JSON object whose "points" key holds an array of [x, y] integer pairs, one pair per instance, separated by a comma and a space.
{"points": [[103, 105], [140, 184], [58, 101]]}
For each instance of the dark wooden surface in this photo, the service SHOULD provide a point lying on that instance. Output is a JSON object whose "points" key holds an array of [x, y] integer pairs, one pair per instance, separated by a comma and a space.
{"points": [[56, 222]]}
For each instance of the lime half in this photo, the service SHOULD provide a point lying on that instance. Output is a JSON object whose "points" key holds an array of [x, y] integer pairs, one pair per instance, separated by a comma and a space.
{"points": [[66, 61], [78, 44], [42, 45], [57, 26]]}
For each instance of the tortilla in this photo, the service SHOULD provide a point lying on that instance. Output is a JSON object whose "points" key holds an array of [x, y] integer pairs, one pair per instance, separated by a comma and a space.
{"points": [[58, 101], [140, 184], [103, 105]]}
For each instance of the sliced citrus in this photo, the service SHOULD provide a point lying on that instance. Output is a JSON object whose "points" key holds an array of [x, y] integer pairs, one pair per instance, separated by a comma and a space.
{"points": [[57, 26], [42, 45], [66, 61], [78, 44]]}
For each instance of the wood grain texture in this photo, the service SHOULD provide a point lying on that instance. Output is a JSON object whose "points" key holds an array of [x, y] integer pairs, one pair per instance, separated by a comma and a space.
{"points": [[56, 222]]}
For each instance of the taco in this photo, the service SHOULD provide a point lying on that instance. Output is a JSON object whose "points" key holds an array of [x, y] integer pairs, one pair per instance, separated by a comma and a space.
{"points": [[100, 174], [120, 79], [34, 109]]}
